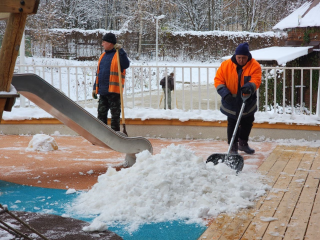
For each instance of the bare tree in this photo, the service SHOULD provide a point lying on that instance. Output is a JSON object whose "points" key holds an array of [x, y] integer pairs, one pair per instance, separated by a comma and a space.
{"points": [[198, 15]]}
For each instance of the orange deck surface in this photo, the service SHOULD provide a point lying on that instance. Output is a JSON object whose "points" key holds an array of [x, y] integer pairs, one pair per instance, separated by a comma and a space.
{"points": [[77, 163]]}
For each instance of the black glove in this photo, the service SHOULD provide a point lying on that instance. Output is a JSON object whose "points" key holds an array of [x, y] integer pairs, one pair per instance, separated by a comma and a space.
{"points": [[246, 90], [228, 98], [94, 95]]}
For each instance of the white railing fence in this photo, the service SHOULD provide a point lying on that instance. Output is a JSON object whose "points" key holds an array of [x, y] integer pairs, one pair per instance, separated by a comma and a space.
{"points": [[290, 90], [284, 90]]}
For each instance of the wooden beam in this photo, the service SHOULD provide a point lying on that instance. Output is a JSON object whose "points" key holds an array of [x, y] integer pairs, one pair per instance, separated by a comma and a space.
{"points": [[2, 104], [18, 11], [19, 6], [10, 48]]}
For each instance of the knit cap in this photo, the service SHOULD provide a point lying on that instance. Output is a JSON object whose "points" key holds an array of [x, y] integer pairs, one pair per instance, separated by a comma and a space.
{"points": [[110, 37], [243, 49]]}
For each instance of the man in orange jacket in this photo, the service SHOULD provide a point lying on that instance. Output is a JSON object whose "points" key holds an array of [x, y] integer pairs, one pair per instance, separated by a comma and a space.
{"points": [[239, 75]]}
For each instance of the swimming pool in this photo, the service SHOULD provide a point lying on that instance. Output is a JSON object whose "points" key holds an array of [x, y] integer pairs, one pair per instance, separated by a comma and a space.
{"points": [[55, 201]]}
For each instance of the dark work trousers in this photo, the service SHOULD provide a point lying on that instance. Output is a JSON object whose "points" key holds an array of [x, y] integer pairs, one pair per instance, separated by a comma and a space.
{"points": [[244, 128], [165, 97], [112, 102]]}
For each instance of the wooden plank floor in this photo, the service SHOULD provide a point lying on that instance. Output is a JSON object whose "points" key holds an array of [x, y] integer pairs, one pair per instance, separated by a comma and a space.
{"points": [[290, 210]]}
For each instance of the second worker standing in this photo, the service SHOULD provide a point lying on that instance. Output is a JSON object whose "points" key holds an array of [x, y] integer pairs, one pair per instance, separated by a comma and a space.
{"points": [[107, 80]]}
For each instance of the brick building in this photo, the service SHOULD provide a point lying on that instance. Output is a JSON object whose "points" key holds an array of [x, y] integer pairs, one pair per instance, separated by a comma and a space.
{"points": [[301, 48], [303, 29]]}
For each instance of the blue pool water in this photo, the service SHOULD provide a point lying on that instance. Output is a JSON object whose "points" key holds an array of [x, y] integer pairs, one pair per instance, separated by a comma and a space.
{"points": [[54, 201]]}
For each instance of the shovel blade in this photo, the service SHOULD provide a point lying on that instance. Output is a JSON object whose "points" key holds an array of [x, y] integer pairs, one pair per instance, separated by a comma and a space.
{"points": [[234, 161]]}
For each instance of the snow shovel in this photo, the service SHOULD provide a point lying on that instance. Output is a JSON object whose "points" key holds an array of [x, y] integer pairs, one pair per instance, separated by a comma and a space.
{"points": [[121, 96], [235, 161]]}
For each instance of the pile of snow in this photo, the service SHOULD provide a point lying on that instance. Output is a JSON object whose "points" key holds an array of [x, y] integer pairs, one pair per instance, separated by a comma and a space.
{"points": [[43, 143], [173, 185]]}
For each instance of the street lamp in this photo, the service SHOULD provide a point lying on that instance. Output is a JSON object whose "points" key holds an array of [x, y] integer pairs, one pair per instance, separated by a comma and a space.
{"points": [[157, 19]]}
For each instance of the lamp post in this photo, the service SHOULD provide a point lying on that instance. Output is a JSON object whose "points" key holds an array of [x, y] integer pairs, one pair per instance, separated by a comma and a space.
{"points": [[157, 20]]}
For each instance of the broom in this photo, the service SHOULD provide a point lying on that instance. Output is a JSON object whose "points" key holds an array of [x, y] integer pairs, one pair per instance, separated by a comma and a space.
{"points": [[121, 95]]}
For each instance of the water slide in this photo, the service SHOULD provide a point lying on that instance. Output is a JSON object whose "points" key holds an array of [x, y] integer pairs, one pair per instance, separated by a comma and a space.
{"points": [[77, 118]]}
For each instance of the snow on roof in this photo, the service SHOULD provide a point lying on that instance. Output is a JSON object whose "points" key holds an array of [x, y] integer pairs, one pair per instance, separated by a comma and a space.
{"points": [[305, 16], [280, 54]]}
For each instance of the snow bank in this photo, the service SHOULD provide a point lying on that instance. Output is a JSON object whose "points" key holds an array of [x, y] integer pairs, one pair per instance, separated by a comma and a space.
{"points": [[173, 185]]}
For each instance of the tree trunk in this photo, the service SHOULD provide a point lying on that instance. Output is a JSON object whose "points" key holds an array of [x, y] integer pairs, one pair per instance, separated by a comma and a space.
{"points": [[140, 29]]}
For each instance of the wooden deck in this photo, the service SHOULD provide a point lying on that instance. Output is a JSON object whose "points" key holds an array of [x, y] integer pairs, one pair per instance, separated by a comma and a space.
{"points": [[290, 210]]}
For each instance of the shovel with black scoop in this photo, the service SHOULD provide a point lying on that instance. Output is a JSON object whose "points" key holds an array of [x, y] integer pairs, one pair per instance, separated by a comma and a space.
{"points": [[235, 161]]}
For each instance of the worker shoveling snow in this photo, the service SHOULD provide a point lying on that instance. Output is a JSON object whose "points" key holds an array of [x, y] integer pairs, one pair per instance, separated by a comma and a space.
{"points": [[173, 185]]}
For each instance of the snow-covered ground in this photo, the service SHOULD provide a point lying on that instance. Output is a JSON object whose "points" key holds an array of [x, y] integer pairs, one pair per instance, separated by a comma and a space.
{"points": [[174, 184]]}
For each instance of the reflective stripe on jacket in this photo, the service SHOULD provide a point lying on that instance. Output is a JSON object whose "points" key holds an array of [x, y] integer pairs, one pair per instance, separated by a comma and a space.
{"points": [[114, 76], [226, 81], [227, 75]]}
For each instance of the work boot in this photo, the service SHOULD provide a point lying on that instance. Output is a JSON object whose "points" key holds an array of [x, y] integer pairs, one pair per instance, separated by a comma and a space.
{"points": [[243, 146], [234, 148]]}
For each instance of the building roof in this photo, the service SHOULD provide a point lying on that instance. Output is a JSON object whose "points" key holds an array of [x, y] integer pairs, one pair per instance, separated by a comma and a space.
{"points": [[308, 15], [281, 55]]}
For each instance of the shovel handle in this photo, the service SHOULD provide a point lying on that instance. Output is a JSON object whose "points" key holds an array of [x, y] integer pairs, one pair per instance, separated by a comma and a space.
{"points": [[121, 87]]}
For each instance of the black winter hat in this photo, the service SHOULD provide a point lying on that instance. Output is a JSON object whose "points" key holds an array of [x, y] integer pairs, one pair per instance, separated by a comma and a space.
{"points": [[243, 49], [110, 37]]}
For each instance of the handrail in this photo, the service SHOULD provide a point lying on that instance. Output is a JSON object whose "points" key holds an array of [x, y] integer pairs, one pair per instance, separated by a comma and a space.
{"points": [[284, 90]]}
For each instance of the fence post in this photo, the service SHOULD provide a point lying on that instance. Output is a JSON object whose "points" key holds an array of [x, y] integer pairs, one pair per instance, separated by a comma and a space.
{"points": [[318, 98]]}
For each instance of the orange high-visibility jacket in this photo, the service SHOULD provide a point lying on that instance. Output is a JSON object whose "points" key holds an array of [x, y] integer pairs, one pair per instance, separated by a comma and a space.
{"points": [[114, 76], [227, 75]]}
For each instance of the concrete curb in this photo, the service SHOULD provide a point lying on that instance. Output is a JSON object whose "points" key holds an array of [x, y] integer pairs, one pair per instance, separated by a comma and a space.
{"points": [[155, 128]]}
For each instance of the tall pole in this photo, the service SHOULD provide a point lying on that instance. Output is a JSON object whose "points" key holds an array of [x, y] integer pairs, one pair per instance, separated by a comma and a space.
{"points": [[318, 100], [157, 20], [157, 27]]}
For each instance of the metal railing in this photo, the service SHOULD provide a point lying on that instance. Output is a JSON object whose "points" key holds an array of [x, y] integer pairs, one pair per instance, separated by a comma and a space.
{"points": [[284, 90]]}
